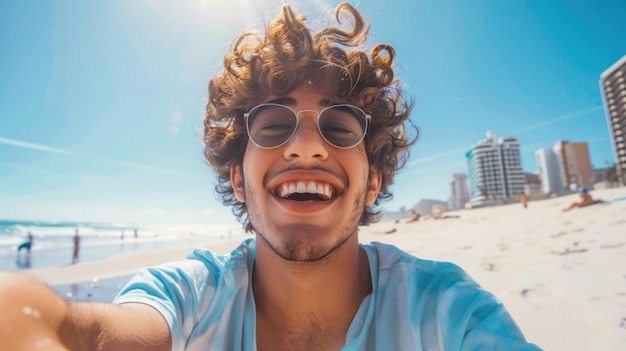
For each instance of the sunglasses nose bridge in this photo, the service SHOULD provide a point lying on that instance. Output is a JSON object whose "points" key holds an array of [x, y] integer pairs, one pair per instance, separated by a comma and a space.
{"points": [[313, 113], [304, 117]]}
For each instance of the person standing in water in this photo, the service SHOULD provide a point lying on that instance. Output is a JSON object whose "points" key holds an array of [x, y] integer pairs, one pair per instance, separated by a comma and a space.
{"points": [[76, 247], [27, 245]]}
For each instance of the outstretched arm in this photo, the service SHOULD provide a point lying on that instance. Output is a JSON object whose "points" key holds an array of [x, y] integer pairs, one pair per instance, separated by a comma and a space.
{"points": [[34, 317]]}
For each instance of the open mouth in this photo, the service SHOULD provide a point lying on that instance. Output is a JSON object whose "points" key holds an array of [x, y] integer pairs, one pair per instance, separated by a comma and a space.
{"points": [[305, 191]]}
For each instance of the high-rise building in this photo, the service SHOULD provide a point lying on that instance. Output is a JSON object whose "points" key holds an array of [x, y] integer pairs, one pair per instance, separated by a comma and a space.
{"points": [[574, 164], [613, 87], [494, 169], [460, 191], [549, 171]]}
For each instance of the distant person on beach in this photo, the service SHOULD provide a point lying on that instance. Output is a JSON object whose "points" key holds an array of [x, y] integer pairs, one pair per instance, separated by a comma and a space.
{"points": [[437, 212], [585, 199], [306, 131], [27, 245], [414, 216], [523, 199], [76, 247]]}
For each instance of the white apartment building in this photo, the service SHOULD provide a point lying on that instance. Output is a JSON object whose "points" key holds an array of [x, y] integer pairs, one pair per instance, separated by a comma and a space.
{"points": [[549, 171], [460, 191], [494, 169]]}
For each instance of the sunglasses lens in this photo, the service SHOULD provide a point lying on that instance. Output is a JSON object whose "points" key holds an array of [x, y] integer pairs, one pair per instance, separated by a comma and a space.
{"points": [[271, 125], [343, 126]]}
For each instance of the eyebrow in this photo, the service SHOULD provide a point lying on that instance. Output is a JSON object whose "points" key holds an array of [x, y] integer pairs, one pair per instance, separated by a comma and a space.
{"points": [[289, 101]]}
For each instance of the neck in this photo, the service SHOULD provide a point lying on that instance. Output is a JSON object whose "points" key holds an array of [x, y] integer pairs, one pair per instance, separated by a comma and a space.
{"points": [[331, 288]]}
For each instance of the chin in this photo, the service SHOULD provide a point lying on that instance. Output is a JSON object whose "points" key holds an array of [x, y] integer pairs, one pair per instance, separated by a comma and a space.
{"points": [[306, 243]]}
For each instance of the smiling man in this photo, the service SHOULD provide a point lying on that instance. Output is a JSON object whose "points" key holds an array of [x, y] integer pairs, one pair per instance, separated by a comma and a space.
{"points": [[305, 130], [305, 196]]}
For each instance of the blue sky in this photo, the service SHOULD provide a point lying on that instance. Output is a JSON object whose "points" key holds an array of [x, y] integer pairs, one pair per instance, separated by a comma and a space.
{"points": [[101, 101]]}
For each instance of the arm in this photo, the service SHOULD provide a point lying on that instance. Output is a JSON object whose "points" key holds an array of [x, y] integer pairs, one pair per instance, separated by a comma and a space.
{"points": [[35, 317]]}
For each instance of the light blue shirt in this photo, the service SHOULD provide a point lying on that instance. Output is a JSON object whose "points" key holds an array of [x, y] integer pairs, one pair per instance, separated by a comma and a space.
{"points": [[415, 304]]}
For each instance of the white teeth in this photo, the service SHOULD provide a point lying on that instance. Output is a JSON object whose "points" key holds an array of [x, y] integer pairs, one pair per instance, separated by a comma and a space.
{"points": [[320, 189], [283, 191], [302, 187]]}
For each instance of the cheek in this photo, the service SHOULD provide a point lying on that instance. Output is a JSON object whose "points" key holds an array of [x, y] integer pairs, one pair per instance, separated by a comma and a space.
{"points": [[371, 186], [256, 164], [359, 161]]}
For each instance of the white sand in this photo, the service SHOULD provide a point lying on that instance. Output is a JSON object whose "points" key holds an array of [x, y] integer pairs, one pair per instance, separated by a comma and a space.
{"points": [[562, 275]]}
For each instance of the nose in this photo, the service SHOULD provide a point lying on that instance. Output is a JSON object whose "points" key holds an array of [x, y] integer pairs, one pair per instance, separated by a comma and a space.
{"points": [[306, 144]]}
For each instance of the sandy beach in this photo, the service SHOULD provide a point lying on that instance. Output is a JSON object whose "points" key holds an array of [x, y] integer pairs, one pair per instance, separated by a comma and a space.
{"points": [[562, 275]]}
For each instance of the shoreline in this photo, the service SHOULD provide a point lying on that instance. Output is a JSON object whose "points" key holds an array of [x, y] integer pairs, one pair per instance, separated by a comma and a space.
{"points": [[95, 250], [121, 265]]}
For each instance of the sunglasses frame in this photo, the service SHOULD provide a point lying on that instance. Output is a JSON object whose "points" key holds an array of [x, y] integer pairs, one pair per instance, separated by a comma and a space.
{"points": [[246, 117]]}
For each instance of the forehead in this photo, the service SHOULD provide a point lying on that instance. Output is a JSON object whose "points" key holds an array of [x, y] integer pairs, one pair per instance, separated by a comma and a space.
{"points": [[306, 94]]}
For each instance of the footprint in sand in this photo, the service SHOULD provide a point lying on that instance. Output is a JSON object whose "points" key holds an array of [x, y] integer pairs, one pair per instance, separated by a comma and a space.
{"points": [[526, 291], [539, 289], [611, 246], [571, 265], [558, 234], [599, 298], [489, 266], [567, 251]]}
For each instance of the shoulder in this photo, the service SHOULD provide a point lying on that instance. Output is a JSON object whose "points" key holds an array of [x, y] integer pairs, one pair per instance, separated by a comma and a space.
{"points": [[240, 258], [202, 264], [422, 285], [391, 259], [199, 273], [425, 294], [195, 291]]}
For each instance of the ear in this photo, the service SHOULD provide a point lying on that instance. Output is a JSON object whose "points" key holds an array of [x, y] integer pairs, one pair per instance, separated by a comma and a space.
{"points": [[373, 187], [236, 180]]}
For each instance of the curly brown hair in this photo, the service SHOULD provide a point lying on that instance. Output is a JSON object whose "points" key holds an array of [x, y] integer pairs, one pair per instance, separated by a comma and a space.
{"points": [[333, 59]]}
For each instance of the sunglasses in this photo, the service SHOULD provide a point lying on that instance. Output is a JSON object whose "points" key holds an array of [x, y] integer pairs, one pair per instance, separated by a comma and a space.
{"points": [[272, 125]]}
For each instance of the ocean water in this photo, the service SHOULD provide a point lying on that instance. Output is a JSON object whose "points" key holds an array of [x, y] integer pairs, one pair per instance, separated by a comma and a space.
{"points": [[53, 241]]}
